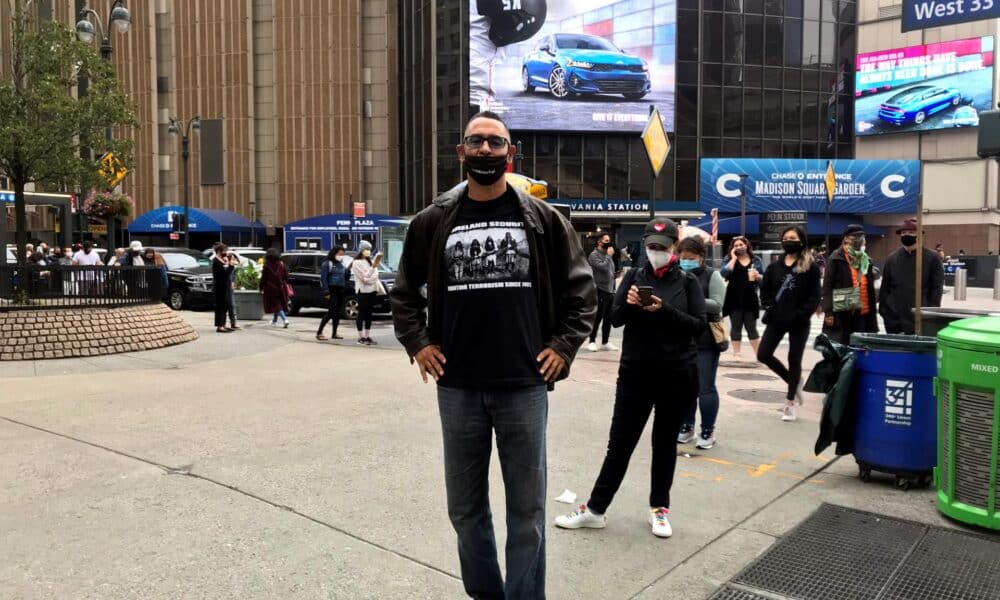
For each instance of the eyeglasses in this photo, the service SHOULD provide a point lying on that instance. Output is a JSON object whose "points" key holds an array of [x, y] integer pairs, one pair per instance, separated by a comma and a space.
{"points": [[475, 142]]}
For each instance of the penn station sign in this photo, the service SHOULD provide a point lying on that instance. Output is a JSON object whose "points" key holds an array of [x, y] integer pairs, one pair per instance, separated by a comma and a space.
{"points": [[862, 186]]}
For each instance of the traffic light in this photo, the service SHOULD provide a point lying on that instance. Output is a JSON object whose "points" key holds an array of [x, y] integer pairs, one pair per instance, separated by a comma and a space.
{"points": [[178, 222]]}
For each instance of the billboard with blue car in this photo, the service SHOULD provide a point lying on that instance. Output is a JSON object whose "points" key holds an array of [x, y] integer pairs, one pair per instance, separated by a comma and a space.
{"points": [[561, 65], [921, 88], [862, 186]]}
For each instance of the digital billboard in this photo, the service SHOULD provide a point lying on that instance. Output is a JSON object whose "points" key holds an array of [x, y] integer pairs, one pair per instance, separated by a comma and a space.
{"points": [[922, 88], [784, 184], [573, 65]]}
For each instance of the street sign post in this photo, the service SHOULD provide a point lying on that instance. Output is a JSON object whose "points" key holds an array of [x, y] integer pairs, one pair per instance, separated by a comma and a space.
{"points": [[831, 187], [654, 138]]}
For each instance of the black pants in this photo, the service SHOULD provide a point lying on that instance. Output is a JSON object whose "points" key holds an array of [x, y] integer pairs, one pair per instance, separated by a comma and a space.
{"points": [[333, 309], [604, 302], [636, 395], [798, 335], [740, 319], [366, 305], [845, 324], [221, 307]]}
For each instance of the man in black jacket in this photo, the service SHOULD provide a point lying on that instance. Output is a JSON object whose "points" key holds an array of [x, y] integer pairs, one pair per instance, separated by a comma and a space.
{"points": [[896, 299], [495, 342]]}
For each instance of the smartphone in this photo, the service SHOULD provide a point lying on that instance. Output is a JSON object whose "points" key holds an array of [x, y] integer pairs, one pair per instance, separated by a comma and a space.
{"points": [[645, 295]]}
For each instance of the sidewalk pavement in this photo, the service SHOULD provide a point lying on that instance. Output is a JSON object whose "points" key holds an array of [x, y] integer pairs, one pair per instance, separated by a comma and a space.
{"points": [[265, 464]]}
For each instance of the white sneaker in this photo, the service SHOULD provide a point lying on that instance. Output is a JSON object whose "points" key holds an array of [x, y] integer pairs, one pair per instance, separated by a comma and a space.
{"points": [[592, 346], [287, 323], [609, 347], [685, 436], [788, 414], [581, 517], [706, 443], [659, 522]]}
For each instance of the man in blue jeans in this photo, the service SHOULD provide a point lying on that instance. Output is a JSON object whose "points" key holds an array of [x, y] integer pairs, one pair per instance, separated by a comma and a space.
{"points": [[495, 341]]}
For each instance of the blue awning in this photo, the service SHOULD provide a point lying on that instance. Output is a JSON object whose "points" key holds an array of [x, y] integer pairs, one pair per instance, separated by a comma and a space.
{"points": [[202, 220], [729, 224]]}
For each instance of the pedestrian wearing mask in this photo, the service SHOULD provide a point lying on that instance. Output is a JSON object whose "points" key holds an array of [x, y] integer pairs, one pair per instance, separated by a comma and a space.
{"points": [[602, 262], [663, 310], [692, 260], [849, 289], [741, 305], [235, 262], [366, 285], [222, 272], [333, 279], [899, 282], [274, 286], [790, 293]]}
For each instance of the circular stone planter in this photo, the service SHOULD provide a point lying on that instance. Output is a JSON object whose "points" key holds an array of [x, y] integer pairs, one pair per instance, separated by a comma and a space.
{"points": [[73, 333]]}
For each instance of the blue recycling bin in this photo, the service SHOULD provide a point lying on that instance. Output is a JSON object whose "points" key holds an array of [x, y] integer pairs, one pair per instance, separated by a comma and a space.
{"points": [[896, 410]]}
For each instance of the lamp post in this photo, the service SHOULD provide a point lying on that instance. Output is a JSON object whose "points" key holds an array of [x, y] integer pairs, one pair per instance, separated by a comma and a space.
{"points": [[180, 127], [120, 19]]}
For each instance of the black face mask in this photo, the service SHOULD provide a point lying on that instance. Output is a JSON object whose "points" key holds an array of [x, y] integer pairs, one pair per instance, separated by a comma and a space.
{"points": [[792, 247], [485, 170], [908, 240]]}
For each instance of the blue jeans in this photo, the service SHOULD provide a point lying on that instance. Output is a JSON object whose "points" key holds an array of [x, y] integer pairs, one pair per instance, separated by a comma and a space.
{"points": [[279, 315], [708, 395], [468, 420]]}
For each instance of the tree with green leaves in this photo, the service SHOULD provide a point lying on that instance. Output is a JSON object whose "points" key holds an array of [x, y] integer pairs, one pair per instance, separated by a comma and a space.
{"points": [[44, 125]]}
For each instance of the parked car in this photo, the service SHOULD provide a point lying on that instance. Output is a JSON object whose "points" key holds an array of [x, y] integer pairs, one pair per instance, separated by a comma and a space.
{"points": [[303, 275], [577, 63], [247, 256], [189, 278], [915, 104]]}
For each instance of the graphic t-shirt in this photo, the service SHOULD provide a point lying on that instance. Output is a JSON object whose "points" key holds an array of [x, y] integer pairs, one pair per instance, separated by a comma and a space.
{"points": [[491, 328]]}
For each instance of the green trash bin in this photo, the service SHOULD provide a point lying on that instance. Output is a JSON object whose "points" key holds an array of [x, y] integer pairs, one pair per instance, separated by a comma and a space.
{"points": [[968, 391]]}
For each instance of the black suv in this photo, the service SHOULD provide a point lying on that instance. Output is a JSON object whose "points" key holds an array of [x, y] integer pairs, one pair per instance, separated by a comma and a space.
{"points": [[303, 275], [189, 278]]}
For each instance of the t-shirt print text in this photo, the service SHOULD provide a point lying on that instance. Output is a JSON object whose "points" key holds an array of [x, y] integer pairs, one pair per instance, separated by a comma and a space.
{"points": [[488, 255]]}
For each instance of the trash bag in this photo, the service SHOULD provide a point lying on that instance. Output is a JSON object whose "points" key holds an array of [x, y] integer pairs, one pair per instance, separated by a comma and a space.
{"points": [[834, 376]]}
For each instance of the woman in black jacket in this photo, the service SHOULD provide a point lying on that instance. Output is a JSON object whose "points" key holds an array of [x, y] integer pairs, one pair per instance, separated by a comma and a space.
{"points": [[663, 311], [222, 283], [790, 294], [849, 267]]}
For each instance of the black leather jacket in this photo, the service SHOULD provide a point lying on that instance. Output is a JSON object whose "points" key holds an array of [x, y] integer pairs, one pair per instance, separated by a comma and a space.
{"points": [[567, 297]]}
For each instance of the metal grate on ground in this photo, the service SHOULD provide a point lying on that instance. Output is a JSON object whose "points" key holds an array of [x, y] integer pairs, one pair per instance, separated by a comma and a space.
{"points": [[838, 553], [948, 565], [973, 446], [835, 554], [729, 593]]}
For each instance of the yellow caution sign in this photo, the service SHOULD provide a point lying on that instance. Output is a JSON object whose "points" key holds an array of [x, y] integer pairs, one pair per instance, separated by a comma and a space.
{"points": [[831, 182], [654, 137], [534, 187], [112, 169]]}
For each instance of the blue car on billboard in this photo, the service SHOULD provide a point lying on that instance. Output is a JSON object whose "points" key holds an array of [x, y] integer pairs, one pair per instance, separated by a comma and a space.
{"points": [[915, 104], [577, 63]]}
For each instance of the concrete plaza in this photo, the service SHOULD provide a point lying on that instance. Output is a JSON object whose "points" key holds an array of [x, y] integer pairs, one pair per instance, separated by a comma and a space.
{"points": [[265, 464]]}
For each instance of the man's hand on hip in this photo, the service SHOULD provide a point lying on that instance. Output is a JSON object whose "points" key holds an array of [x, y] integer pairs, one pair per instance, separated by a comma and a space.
{"points": [[551, 364], [430, 361]]}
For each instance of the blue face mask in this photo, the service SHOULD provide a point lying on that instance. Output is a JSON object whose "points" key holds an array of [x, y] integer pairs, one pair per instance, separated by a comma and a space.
{"points": [[690, 264]]}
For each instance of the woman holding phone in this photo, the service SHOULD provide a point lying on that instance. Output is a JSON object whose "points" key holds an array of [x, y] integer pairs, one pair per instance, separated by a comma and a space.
{"points": [[366, 285], [790, 294], [663, 310], [741, 305]]}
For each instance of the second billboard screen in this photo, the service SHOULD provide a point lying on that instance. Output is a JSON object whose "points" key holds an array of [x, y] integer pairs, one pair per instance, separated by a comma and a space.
{"points": [[921, 88], [585, 65]]}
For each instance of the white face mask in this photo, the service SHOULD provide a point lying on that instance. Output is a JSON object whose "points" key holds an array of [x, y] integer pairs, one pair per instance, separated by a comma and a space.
{"points": [[659, 258]]}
